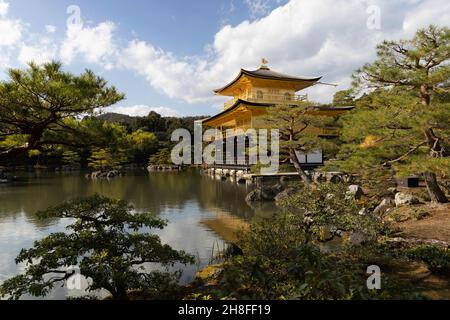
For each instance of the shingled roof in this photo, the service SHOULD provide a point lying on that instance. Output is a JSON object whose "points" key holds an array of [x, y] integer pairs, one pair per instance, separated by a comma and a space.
{"points": [[239, 102], [266, 73]]}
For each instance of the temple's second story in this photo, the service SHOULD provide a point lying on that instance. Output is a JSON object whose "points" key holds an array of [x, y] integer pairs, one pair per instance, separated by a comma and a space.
{"points": [[266, 86]]}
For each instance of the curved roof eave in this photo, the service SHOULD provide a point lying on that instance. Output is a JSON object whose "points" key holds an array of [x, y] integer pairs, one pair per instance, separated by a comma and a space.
{"points": [[231, 83], [333, 108], [259, 104], [271, 76], [235, 105]]}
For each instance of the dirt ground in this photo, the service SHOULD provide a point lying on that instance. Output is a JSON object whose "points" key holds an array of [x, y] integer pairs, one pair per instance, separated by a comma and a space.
{"points": [[436, 225]]}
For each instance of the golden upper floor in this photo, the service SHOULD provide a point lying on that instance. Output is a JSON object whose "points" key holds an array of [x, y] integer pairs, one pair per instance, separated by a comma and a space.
{"points": [[266, 86]]}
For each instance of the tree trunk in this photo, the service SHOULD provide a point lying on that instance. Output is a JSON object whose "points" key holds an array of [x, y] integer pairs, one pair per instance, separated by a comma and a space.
{"points": [[298, 167], [436, 193], [437, 150], [425, 95], [121, 295], [13, 154]]}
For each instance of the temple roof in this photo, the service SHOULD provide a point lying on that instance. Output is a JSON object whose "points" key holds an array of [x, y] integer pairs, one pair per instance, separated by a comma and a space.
{"points": [[240, 102], [266, 74], [235, 106]]}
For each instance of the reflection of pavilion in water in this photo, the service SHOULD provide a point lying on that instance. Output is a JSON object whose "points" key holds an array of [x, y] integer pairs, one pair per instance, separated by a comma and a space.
{"points": [[225, 222], [159, 193], [225, 225]]}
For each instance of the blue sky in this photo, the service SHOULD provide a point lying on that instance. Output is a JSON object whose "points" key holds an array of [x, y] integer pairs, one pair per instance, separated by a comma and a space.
{"points": [[179, 26], [184, 27], [169, 55]]}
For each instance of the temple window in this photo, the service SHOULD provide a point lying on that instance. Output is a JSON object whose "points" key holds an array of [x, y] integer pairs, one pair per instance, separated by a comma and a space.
{"points": [[259, 95]]}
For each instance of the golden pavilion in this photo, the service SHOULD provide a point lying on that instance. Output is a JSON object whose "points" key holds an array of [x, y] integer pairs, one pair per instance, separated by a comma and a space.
{"points": [[252, 92]]}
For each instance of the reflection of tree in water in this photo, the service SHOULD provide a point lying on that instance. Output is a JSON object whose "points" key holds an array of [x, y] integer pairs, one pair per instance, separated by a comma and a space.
{"points": [[153, 192], [34, 192], [198, 197], [264, 209], [144, 192]]}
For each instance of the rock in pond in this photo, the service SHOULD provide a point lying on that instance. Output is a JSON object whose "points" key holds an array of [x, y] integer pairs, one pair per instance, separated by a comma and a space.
{"points": [[261, 194], [285, 194], [104, 174]]}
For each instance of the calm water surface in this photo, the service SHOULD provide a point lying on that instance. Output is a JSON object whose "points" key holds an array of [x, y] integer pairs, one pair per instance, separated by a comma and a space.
{"points": [[187, 200]]}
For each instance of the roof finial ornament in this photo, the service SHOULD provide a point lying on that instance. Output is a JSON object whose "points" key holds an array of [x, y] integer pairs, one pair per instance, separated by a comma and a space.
{"points": [[264, 63]]}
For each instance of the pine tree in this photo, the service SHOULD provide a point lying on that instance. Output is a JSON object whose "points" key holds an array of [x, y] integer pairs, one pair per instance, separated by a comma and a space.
{"points": [[162, 157], [106, 159], [300, 128], [344, 98], [404, 124], [109, 243], [39, 105]]}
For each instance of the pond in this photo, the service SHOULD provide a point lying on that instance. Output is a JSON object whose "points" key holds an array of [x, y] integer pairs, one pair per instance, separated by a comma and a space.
{"points": [[200, 211]]}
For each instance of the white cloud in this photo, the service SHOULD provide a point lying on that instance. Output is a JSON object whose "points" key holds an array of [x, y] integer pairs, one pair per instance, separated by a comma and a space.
{"points": [[5, 60], [50, 29], [431, 11], [10, 30], [10, 35], [93, 44], [4, 7], [187, 78], [327, 38], [39, 53], [143, 110]]}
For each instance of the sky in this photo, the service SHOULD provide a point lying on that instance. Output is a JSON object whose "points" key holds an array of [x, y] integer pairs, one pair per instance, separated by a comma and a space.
{"points": [[168, 56]]}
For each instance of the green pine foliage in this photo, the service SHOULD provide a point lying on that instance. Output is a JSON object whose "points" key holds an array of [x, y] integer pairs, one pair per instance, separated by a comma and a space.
{"points": [[70, 157], [109, 242], [282, 258], [401, 124], [300, 127], [36, 102], [107, 159], [162, 157]]}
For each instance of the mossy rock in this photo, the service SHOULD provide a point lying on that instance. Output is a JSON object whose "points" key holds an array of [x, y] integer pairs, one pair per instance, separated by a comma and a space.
{"points": [[209, 275]]}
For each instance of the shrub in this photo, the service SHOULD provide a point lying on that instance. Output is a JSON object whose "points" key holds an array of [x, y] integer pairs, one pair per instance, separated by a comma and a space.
{"points": [[328, 205], [282, 259], [278, 263], [419, 214], [437, 258], [162, 157]]}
